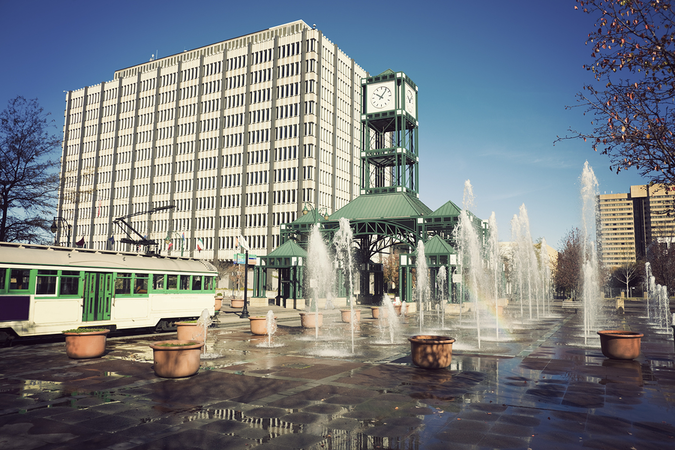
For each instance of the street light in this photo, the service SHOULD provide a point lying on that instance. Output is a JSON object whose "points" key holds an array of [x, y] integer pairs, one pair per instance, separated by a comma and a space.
{"points": [[56, 226], [318, 215]]}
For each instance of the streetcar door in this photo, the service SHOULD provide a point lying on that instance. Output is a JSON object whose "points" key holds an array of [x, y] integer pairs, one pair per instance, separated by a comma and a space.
{"points": [[98, 291]]}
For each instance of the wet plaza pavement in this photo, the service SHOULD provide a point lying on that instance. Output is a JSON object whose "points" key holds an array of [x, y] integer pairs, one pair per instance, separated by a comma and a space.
{"points": [[539, 383]]}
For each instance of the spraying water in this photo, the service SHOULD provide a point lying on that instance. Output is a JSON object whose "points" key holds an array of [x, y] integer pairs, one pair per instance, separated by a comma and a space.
{"points": [[203, 323], [442, 281], [422, 271], [591, 290], [468, 242], [320, 272], [495, 266], [343, 253]]}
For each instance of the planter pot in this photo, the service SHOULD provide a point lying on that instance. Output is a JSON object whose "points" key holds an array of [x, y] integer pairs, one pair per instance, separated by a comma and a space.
{"points": [[237, 303], [347, 315], [431, 352], [89, 344], [620, 344], [176, 358], [189, 331], [219, 303], [259, 325], [397, 309], [378, 312], [309, 319]]}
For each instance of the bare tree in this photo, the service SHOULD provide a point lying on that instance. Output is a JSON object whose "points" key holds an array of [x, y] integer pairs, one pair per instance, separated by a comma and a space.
{"points": [[28, 181], [627, 274], [567, 273], [631, 102]]}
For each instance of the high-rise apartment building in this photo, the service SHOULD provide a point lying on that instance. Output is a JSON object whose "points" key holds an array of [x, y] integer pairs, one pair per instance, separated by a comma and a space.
{"points": [[630, 222], [239, 135]]}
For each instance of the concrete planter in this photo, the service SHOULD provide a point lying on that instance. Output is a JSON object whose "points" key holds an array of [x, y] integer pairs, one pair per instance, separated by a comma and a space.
{"points": [[85, 344], [176, 358], [620, 344], [219, 302], [431, 352]]}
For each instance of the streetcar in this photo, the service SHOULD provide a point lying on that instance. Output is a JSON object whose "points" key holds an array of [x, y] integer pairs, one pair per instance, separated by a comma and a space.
{"points": [[47, 289]]}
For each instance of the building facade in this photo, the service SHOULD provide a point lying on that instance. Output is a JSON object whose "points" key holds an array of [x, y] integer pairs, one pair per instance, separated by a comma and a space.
{"points": [[240, 136], [628, 223]]}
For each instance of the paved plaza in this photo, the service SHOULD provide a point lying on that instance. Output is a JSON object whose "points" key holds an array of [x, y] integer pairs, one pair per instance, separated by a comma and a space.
{"points": [[528, 379]]}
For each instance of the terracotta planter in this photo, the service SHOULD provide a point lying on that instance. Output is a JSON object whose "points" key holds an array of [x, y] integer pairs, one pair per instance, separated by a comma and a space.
{"points": [[620, 344], [309, 319], [397, 309], [259, 325], [176, 358], [431, 352], [88, 344], [190, 331], [347, 315], [219, 303], [237, 303], [378, 312]]}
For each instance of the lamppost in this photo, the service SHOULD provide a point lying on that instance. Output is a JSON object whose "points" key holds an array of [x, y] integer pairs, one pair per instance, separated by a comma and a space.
{"points": [[56, 226], [318, 214]]}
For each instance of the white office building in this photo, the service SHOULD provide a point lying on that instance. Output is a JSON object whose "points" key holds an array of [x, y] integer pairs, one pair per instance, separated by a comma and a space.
{"points": [[240, 136]]}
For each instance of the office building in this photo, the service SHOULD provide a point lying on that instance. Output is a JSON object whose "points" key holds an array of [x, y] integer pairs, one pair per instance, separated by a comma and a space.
{"points": [[628, 223], [240, 136]]}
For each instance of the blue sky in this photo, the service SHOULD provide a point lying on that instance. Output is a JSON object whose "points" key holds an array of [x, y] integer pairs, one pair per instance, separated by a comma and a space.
{"points": [[494, 79]]}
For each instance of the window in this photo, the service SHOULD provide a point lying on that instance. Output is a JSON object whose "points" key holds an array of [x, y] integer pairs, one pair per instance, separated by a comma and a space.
{"points": [[3, 276], [70, 282], [141, 284], [46, 282], [123, 283], [208, 283], [185, 282], [19, 279], [158, 282], [197, 283], [172, 282]]}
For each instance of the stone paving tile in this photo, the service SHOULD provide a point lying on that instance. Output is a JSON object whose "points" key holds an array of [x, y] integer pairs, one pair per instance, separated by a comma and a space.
{"points": [[561, 393]]}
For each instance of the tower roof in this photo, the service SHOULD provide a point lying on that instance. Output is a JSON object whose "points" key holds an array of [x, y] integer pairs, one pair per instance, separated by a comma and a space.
{"points": [[379, 206]]}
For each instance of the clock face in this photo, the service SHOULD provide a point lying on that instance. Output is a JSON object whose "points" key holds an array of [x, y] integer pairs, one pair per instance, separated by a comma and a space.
{"points": [[410, 100], [381, 97]]}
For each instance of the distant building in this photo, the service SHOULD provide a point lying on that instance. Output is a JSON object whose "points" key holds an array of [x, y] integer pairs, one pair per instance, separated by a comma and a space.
{"points": [[630, 222], [240, 136]]}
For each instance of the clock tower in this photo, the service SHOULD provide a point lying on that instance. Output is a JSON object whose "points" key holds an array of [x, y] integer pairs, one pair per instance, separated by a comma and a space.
{"points": [[389, 156]]}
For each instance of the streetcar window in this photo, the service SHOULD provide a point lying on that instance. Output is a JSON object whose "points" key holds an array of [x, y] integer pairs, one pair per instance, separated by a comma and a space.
{"points": [[184, 282], [141, 284], [158, 282], [123, 283], [18, 279], [196, 283], [172, 282], [208, 283], [3, 275], [70, 282], [46, 282]]}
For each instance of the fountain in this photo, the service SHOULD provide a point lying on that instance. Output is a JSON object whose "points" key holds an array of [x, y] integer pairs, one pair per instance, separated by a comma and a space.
{"points": [[591, 290], [442, 283], [470, 253], [343, 255], [422, 272], [320, 273], [203, 323]]}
